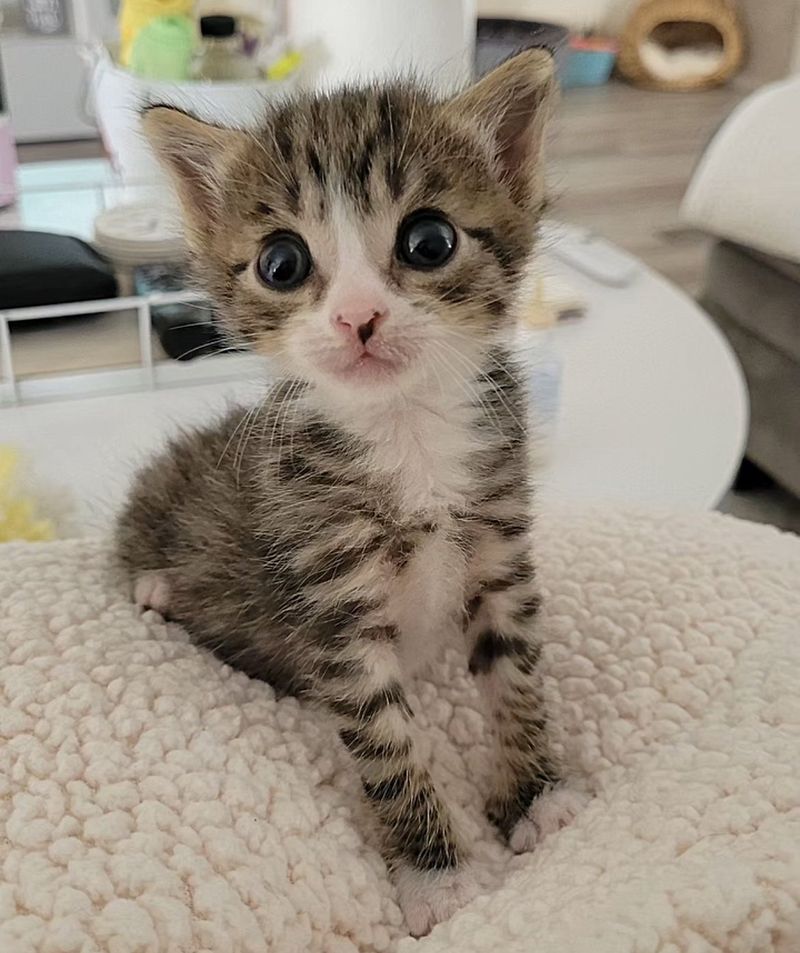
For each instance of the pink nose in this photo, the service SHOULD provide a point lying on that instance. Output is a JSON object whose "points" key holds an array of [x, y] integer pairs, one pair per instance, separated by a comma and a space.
{"points": [[362, 324]]}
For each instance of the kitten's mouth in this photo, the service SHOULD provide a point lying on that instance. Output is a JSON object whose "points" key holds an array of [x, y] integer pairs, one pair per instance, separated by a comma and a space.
{"points": [[368, 364], [364, 366]]}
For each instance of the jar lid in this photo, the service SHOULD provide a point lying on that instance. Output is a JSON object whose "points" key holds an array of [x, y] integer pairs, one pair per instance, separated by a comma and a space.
{"points": [[218, 26], [139, 232]]}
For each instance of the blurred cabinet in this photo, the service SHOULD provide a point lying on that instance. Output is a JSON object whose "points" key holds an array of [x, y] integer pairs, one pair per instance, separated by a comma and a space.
{"points": [[44, 83], [44, 78]]}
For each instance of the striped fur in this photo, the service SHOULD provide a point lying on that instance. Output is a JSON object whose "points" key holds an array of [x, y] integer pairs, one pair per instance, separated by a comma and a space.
{"points": [[329, 539]]}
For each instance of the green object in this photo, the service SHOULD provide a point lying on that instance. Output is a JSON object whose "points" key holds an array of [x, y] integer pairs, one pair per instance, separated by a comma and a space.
{"points": [[163, 48]]}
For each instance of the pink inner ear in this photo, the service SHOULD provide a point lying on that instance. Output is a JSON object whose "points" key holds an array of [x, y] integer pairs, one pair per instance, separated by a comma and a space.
{"points": [[519, 138]]}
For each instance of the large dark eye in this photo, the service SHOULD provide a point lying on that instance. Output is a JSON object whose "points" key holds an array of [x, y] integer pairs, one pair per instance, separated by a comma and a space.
{"points": [[426, 240], [284, 262]]}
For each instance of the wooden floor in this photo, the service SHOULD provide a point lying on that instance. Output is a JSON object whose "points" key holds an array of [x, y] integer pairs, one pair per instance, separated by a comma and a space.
{"points": [[620, 161], [60, 151]]}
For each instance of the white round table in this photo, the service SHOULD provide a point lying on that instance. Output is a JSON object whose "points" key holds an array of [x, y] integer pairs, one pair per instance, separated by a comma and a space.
{"points": [[654, 407], [653, 411]]}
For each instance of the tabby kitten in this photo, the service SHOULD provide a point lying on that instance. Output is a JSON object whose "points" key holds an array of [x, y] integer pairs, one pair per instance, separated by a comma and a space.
{"points": [[327, 540]]}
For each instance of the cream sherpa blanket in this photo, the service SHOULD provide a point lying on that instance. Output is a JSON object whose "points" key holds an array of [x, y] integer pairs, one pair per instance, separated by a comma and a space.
{"points": [[153, 800]]}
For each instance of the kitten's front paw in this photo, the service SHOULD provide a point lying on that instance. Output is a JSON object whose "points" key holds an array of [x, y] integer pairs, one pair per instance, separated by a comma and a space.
{"points": [[151, 591], [428, 897], [548, 813]]}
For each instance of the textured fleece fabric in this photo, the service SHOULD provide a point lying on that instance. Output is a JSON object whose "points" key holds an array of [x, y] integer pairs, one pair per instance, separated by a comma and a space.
{"points": [[151, 799]]}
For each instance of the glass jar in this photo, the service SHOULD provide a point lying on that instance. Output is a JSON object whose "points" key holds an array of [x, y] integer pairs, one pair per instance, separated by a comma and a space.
{"points": [[220, 55]]}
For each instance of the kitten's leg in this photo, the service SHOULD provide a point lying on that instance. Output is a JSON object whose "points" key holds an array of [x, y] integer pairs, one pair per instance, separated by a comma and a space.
{"points": [[351, 644], [529, 799], [363, 687], [151, 590]]}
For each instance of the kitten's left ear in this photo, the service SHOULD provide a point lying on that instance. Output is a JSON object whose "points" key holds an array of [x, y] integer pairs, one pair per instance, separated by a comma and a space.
{"points": [[513, 103]]}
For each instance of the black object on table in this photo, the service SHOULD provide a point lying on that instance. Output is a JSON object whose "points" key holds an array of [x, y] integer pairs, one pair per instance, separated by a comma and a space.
{"points": [[498, 38], [186, 331], [40, 268]]}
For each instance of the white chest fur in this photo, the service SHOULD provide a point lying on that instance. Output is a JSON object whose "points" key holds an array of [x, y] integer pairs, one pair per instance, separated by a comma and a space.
{"points": [[425, 451], [427, 454], [427, 600], [421, 441], [424, 448]]}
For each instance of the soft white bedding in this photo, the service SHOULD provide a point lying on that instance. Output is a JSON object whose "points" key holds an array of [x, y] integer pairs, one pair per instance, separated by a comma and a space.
{"points": [[153, 800]]}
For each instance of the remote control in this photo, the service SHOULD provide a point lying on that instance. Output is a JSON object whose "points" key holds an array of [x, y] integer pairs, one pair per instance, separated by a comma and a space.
{"points": [[591, 255]]}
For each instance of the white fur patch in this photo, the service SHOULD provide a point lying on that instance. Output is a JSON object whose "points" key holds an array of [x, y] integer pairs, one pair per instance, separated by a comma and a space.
{"points": [[151, 591], [548, 814], [425, 446], [428, 898], [427, 601]]}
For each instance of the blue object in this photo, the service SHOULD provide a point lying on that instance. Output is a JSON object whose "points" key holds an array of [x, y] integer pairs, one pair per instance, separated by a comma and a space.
{"points": [[587, 67], [545, 370]]}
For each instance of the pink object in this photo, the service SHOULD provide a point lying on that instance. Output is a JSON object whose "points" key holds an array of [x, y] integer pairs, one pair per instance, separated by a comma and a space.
{"points": [[8, 163], [597, 44], [363, 324]]}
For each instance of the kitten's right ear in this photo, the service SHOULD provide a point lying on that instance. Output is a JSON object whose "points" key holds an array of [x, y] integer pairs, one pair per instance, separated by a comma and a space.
{"points": [[196, 155], [512, 104]]}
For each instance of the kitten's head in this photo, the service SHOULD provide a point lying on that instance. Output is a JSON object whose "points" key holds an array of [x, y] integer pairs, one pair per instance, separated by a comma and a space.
{"points": [[369, 238]]}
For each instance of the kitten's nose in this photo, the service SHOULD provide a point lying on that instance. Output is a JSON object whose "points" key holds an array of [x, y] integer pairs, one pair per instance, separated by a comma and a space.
{"points": [[362, 324]]}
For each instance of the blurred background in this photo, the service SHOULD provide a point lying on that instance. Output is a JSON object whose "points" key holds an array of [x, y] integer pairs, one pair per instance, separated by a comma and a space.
{"points": [[665, 315]]}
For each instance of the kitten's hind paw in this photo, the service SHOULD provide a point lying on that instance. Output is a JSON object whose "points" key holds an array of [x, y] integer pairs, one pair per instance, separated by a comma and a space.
{"points": [[151, 591], [547, 814], [428, 897]]}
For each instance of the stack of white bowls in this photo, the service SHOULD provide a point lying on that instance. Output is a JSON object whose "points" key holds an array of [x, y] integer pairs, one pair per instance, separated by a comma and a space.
{"points": [[139, 233]]}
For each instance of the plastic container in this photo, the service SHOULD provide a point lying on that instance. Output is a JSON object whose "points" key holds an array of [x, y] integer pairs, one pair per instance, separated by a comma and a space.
{"points": [[117, 96], [45, 17], [589, 62], [353, 40], [498, 38], [163, 48], [220, 55], [136, 14], [545, 373]]}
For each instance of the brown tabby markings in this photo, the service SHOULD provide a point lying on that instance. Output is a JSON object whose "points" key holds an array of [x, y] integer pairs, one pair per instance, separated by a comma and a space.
{"points": [[284, 544]]}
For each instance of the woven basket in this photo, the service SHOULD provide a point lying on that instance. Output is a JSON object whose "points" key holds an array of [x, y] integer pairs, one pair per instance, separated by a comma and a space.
{"points": [[682, 18]]}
